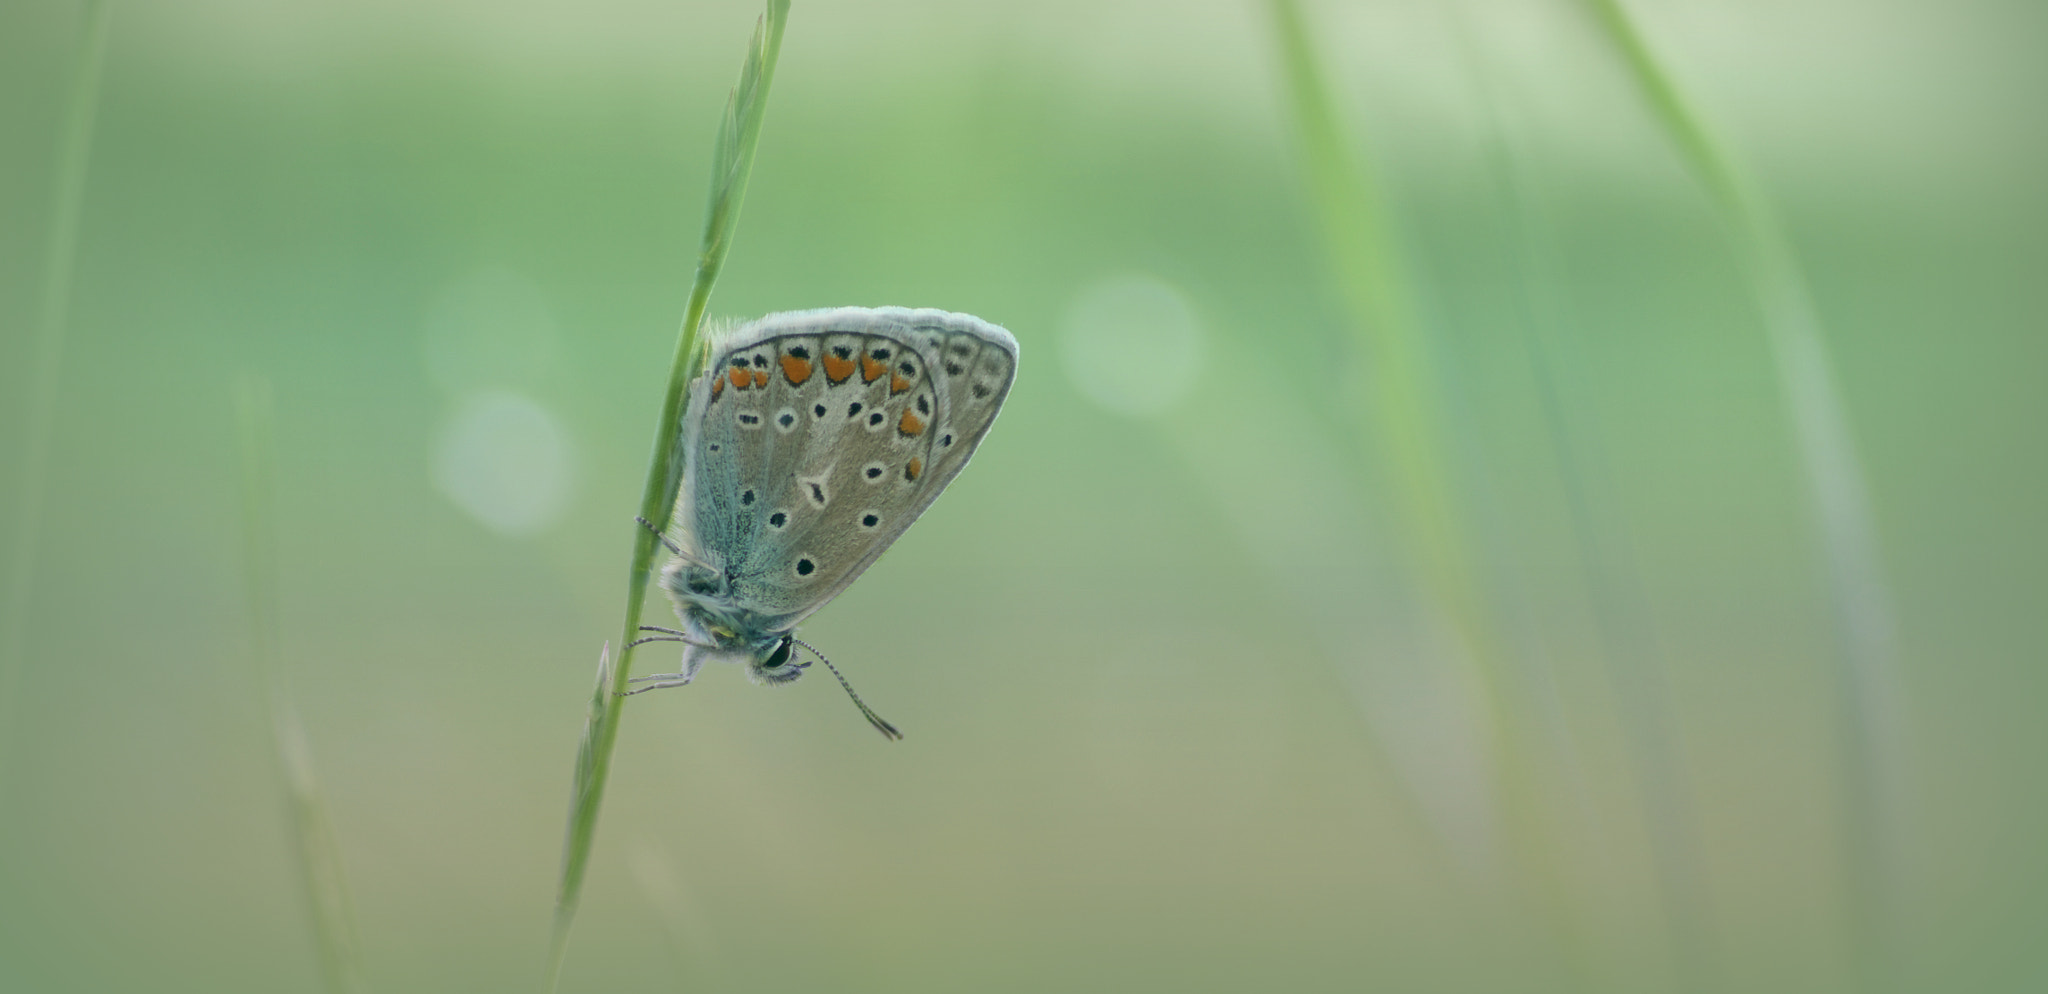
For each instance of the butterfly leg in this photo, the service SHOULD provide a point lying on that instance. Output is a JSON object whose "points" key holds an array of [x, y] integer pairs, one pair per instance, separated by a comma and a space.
{"points": [[692, 662], [666, 680], [672, 636], [649, 525], [672, 631], [672, 547]]}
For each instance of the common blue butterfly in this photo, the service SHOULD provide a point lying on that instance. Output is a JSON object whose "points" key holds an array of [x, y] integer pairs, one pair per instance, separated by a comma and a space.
{"points": [[812, 439]]}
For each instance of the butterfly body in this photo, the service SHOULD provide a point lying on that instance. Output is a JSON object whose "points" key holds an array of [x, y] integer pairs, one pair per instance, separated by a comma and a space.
{"points": [[811, 441]]}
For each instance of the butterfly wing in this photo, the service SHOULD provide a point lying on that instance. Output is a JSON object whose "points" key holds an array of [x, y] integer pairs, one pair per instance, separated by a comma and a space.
{"points": [[816, 437]]}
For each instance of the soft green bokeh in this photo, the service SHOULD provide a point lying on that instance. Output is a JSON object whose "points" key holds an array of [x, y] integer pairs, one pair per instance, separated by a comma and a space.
{"points": [[1175, 722]]}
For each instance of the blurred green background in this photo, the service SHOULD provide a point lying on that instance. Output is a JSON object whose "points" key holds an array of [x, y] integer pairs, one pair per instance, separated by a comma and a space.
{"points": [[1177, 719]]}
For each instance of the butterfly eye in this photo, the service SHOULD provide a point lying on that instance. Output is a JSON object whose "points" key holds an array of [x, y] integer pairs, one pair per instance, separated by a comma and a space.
{"points": [[776, 659]]}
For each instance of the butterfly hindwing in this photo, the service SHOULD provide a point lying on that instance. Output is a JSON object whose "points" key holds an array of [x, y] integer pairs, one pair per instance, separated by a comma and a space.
{"points": [[815, 438], [973, 378]]}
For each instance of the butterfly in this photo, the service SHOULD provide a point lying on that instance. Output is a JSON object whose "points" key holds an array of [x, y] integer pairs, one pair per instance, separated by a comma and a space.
{"points": [[811, 441]]}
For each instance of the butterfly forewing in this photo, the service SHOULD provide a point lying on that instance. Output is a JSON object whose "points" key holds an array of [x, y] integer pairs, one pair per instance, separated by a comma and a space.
{"points": [[815, 438]]}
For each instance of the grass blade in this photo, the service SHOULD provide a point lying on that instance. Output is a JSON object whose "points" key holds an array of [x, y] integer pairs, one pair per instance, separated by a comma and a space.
{"points": [[1399, 414], [732, 161], [600, 726], [319, 858], [1873, 696], [1397, 406], [67, 202], [1626, 642]]}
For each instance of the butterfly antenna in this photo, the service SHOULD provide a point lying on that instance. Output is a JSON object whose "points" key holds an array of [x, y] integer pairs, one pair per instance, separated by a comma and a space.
{"points": [[888, 731]]}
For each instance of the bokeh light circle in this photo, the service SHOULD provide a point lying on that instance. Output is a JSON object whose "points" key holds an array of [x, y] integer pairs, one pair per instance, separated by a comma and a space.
{"points": [[506, 461], [1132, 345]]}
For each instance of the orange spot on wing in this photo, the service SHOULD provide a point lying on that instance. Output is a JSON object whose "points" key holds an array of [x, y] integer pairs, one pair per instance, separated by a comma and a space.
{"points": [[739, 379], [898, 384], [837, 369], [916, 466], [717, 387], [760, 377], [796, 370], [910, 425], [870, 368]]}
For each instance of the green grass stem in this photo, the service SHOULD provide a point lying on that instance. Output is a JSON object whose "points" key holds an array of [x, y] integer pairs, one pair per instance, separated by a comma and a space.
{"points": [[739, 133], [1627, 645], [67, 203], [314, 846], [1399, 414], [1398, 409], [1875, 753]]}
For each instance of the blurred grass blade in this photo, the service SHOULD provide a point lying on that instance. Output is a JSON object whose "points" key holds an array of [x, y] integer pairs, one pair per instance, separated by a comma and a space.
{"points": [[318, 856], [67, 202], [1625, 640], [588, 783], [739, 133], [1877, 755], [1397, 406], [1399, 414]]}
